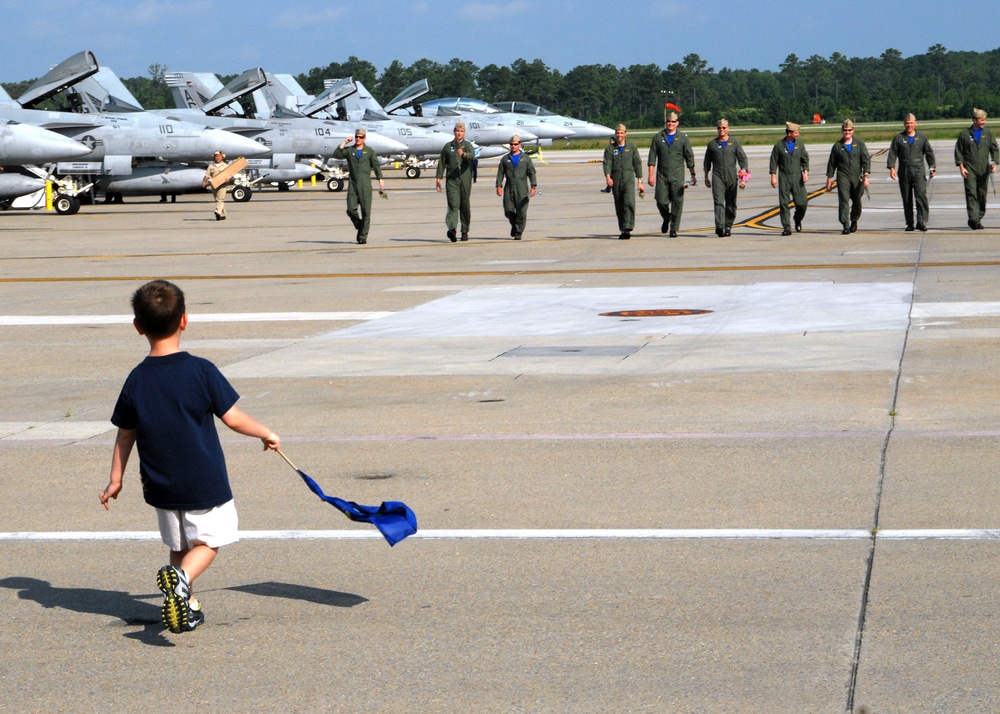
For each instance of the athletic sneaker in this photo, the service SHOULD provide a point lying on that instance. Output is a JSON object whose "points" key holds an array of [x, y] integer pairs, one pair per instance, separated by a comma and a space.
{"points": [[175, 612], [195, 615]]}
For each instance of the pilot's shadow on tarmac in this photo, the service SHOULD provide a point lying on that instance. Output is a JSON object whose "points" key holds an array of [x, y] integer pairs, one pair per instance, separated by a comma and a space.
{"points": [[133, 610]]}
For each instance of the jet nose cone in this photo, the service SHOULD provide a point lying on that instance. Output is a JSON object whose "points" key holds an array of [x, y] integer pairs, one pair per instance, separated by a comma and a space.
{"points": [[528, 135], [594, 131], [234, 145], [551, 131], [23, 144], [385, 145]]}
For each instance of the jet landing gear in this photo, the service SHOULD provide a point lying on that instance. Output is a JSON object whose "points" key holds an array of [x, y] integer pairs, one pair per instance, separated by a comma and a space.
{"points": [[241, 194], [412, 172], [65, 204]]}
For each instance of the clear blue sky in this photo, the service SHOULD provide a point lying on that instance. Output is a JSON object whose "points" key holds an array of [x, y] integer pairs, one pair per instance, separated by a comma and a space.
{"points": [[292, 37]]}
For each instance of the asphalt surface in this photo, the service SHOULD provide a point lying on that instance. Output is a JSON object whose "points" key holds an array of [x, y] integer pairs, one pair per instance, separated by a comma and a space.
{"points": [[781, 498]]}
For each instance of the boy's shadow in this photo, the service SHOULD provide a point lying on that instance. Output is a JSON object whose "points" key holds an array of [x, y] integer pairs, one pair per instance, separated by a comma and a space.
{"points": [[111, 603], [134, 611]]}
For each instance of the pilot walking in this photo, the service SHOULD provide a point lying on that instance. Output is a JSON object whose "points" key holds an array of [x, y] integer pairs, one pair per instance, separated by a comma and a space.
{"points": [[789, 169], [219, 192], [721, 158], [669, 153], [361, 163], [911, 148], [455, 166], [976, 156], [622, 166], [850, 162], [516, 182]]}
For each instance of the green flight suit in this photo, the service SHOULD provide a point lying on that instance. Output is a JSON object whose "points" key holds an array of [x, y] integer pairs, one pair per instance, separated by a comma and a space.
{"points": [[911, 155], [722, 161], [457, 173], [516, 182], [789, 165], [850, 168], [977, 158], [359, 188], [623, 165], [670, 158]]}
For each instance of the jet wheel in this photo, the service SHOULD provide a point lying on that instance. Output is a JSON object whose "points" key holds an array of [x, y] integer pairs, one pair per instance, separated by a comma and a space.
{"points": [[66, 205], [412, 172], [335, 184], [242, 194]]}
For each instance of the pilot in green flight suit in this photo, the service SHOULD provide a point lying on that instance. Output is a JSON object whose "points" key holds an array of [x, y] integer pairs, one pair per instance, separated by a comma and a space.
{"points": [[722, 156], [361, 162], [850, 162], [669, 153], [912, 148], [976, 156], [516, 182], [455, 166], [789, 169], [622, 166]]}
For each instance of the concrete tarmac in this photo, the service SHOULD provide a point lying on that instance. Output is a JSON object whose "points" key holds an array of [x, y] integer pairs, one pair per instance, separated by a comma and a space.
{"points": [[777, 494]]}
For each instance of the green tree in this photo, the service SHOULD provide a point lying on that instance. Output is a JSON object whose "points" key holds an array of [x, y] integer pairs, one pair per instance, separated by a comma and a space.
{"points": [[791, 69]]}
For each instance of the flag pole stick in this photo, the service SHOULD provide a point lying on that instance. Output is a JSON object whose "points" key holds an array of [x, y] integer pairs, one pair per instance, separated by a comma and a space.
{"points": [[287, 460]]}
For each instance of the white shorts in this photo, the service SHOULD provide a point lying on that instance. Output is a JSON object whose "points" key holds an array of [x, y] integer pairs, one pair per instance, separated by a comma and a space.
{"points": [[214, 527]]}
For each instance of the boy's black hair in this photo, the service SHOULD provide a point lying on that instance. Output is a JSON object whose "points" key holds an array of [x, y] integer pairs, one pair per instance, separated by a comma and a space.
{"points": [[158, 307]]}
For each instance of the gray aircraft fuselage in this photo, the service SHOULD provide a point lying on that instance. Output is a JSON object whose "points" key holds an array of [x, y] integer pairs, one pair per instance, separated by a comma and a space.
{"points": [[26, 144], [119, 140], [288, 138]]}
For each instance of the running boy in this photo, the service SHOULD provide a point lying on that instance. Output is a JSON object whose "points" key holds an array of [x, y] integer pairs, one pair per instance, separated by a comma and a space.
{"points": [[167, 407]]}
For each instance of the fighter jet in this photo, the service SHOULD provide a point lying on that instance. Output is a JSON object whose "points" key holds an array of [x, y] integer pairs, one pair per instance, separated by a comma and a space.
{"points": [[530, 113], [488, 135], [480, 129], [25, 144], [420, 142], [473, 111], [119, 142], [522, 125], [292, 137]]}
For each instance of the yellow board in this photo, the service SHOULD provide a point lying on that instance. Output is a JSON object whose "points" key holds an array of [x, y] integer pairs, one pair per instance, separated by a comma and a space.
{"points": [[227, 173]]}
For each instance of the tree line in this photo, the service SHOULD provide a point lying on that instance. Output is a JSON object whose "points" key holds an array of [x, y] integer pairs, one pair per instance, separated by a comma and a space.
{"points": [[938, 84]]}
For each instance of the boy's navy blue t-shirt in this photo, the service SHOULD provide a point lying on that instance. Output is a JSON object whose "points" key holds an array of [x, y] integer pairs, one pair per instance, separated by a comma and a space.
{"points": [[172, 402]]}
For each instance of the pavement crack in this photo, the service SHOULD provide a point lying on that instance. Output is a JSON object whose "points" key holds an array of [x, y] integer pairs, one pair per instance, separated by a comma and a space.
{"points": [[880, 484]]}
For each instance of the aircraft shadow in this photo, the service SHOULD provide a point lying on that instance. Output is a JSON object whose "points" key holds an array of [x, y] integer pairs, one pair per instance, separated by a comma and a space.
{"points": [[305, 593]]}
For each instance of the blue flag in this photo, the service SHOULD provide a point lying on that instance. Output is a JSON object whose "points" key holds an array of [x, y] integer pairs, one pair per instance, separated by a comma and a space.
{"points": [[394, 519]]}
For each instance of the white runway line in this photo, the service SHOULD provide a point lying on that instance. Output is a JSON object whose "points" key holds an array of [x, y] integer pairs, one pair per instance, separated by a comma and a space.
{"points": [[31, 320], [542, 534]]}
